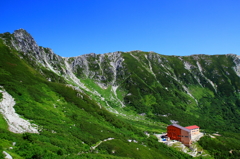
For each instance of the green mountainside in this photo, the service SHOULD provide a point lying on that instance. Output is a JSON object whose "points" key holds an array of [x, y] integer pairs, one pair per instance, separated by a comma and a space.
{"points": [[90, 106]]}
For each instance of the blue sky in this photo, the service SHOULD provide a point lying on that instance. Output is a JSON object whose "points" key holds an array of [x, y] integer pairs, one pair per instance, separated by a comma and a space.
{"points": [[169, 27]]}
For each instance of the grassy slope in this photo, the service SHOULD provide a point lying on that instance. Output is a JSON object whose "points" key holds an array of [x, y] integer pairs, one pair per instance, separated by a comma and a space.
{"points": [[69, 124], [126, 114], [151, 97], [35, 96], [225, 146], [212, 112], [168, 96]]}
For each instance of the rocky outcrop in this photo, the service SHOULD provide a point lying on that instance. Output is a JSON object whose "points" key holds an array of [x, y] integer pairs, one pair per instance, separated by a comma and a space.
{"points": [[109, 69], [236, 60], [103, 68], [7, 156], [136, 72], [24, 42], [15, 123]]}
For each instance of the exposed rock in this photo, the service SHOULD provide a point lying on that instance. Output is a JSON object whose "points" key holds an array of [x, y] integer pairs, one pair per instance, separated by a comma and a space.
{"points": [[114, 70], [7, 156], [15, 123], [236, 60]]}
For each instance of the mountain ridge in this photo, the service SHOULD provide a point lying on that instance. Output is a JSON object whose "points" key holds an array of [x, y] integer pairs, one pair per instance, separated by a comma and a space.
{"points": [[137, 87], [110, 69]]}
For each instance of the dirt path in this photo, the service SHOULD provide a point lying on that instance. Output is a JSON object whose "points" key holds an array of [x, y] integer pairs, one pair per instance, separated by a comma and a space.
{"points": [[108, 139]]}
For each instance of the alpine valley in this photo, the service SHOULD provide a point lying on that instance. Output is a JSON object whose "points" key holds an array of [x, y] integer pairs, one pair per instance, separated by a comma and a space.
{"points": [[112, 105]]}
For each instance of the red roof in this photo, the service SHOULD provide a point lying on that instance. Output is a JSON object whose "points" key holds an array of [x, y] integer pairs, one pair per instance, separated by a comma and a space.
{"points": [[192, 127]]}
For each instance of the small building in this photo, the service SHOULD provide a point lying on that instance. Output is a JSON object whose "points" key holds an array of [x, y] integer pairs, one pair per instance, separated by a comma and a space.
{"points": [[182, 134], [194, 129]]}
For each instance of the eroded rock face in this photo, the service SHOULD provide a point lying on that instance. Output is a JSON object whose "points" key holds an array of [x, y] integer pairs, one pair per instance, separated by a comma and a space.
{"points": [[148, 82], [110, 68], [15, 123], [236, 60], [122, 70], [103, 68], [25, 43]]}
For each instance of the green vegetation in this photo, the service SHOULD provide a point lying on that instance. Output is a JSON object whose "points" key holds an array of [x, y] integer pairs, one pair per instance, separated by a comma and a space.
{"points": [[1, 96], [167, 99], [3, 123], [69, 124], [152, 149], [193, 90], [221, 147]]}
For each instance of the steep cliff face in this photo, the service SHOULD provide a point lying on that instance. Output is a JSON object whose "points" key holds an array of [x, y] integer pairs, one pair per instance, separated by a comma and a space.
{"points": [[236, 60], [161, 87], [103, 67], [24, 42]]}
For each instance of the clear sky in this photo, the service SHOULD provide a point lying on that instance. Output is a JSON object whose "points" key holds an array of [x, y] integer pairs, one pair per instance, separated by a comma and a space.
{"points": [[169, 27]]}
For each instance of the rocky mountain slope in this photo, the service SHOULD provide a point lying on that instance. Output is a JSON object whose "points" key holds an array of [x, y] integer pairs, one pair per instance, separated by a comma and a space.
{"points": [[149, 83], [135, 86]]}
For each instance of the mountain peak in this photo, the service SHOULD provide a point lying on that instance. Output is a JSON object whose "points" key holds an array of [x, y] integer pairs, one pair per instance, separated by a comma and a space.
{"points": [[22, 34], [20, 30], [24, 42]]}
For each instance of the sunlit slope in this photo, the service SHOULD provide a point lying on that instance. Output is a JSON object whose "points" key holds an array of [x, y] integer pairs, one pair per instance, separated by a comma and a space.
{"points": [[97, 102], [197, 89], [70, 122]]}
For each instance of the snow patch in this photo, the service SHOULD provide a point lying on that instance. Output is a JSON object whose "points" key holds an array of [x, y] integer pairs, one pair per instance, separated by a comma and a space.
{"points": [[15, 123]]}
